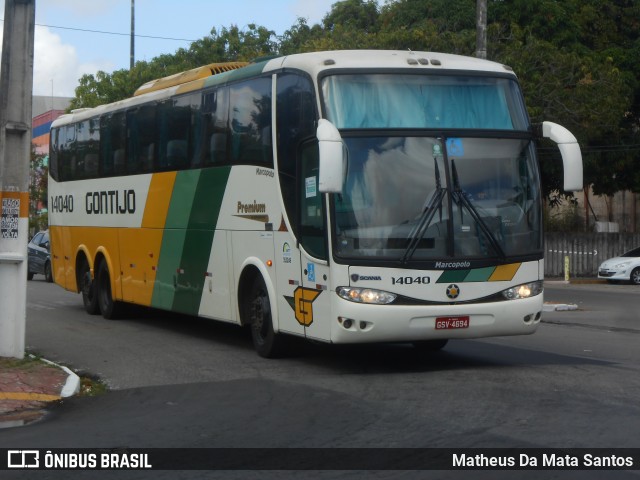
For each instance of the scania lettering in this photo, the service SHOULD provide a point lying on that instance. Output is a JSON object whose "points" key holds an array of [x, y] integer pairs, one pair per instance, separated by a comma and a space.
{"points": [[340, 197]]}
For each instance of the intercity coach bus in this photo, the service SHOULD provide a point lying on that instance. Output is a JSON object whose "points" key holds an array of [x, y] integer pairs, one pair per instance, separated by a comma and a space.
{"points": [[342, 196]]}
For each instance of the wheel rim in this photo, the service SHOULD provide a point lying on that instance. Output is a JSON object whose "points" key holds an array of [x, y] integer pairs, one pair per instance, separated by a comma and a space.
{"points": [[635, 276]]}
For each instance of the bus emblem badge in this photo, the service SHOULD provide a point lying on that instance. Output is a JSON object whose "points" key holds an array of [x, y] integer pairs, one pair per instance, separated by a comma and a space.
{"points": [[453, 291], [302, 304]]}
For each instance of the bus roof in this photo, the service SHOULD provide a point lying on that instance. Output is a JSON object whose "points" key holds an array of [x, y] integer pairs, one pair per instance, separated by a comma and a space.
{"points": [[316, 62], [312, 63]]}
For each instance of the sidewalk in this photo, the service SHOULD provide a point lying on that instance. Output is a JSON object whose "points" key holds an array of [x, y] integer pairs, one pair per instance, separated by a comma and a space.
{"points": [[27, 386]]}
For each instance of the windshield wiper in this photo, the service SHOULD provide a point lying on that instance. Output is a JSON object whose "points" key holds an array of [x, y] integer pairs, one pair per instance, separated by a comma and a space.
{"points": [[426, 217], [461, 198]]}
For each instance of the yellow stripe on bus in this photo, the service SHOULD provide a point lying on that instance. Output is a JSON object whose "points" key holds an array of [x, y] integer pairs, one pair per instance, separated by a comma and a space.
{"points": [[505, 273], [155, 211]]}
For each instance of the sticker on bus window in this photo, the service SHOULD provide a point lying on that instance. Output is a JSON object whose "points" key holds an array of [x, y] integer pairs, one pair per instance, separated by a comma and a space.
{"points": [[455, 147], [310, 187]]}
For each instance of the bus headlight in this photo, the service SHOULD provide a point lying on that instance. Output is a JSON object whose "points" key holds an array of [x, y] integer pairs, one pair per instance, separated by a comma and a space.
{"points": [[525, 290], [365, 295]]}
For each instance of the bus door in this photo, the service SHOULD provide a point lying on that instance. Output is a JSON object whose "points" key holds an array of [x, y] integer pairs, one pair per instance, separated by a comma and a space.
{"points": [[313, 306]]}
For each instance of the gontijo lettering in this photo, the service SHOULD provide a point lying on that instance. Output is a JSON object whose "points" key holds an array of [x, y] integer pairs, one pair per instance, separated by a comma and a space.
{"points": [[111, 202]]}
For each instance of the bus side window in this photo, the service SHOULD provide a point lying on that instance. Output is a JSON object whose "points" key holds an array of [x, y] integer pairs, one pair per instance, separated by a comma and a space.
{"points": [[295, 119], [188, 114], [250, 122], [67, 152], [53, 154], [141, 124], [312, 217], [174, 128], [113, 144], [216, 126]]}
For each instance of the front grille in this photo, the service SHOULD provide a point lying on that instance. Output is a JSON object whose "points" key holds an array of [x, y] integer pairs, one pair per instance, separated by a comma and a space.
{"points": [[605, 273]]}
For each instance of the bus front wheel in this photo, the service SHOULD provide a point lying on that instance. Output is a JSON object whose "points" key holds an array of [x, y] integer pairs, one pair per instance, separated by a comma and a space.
{"points": [[266, 342], [108, 307]]}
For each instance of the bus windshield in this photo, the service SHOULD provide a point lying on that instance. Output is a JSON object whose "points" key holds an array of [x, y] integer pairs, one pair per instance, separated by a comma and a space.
{"points": [[421, 184], [405, 198], [380, 100]]}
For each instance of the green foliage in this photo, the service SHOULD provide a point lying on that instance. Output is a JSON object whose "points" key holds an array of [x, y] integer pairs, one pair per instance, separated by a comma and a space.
{"points": [[38, 171], [577, 61], [229, 45], [564, 219]]}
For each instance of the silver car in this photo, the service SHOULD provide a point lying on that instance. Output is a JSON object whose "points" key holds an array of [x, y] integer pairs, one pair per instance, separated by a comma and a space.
{"points": [[39, 256], [624, 268]]}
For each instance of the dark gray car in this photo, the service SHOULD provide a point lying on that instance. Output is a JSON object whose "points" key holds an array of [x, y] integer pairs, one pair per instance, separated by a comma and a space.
{"points": [[39, 256]]}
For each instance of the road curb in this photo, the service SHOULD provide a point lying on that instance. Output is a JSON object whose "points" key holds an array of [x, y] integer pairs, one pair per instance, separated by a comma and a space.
{"points": [[72, 385], [559, 307]]}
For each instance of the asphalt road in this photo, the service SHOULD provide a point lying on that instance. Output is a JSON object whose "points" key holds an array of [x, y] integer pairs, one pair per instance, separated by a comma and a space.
{"points": [[183, 382]]}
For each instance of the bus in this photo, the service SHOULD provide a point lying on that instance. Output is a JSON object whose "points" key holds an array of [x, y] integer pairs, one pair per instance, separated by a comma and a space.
{"points": [[340, 196]]}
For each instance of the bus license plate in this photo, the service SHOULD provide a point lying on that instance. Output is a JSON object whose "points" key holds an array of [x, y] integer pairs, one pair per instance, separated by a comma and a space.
{"points": [[448, 323]]}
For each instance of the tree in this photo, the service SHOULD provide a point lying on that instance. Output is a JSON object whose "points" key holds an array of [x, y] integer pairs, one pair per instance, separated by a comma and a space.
{"points": [[38, 173], [566, 54], [229, 45]]}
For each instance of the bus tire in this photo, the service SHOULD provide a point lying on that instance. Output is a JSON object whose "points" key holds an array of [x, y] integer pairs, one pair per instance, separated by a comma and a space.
{"points": [[88, 289], [430, 345], [108, 306], [266, 342]]}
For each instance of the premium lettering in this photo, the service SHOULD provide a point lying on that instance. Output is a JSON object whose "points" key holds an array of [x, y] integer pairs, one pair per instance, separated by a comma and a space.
{"points": [[254, 207]]}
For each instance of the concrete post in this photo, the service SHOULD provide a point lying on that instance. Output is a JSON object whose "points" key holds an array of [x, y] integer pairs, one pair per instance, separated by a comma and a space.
{"points": [[481, 29], [16, 86]]}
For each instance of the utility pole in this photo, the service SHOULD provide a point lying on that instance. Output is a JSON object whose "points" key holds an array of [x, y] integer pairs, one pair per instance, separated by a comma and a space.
{"points": [[16, 88], [132, 57], [481, 29]]}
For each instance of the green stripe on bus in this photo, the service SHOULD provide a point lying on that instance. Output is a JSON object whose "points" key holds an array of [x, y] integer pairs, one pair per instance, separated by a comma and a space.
{"points": [[453, 276], [198, 242], [480, 274], [173, 239], [188, 238]]}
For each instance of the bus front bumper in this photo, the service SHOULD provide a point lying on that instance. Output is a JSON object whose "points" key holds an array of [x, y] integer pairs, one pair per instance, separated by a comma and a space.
{"points": [[360, 323]]}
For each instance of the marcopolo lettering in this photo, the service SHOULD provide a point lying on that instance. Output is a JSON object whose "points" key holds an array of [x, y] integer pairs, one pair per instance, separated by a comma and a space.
{"points": [[111, 202], [443, 265]]}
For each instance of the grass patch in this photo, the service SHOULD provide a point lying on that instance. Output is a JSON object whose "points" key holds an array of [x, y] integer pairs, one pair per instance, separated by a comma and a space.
{"points": [[91, 387]]}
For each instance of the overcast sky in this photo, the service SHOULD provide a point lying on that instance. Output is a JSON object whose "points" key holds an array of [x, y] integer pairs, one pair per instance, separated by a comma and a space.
{"points": [[63, 55]]}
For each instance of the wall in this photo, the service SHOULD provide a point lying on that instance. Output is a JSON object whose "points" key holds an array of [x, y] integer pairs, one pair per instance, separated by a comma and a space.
{"points": [[586, 251]]}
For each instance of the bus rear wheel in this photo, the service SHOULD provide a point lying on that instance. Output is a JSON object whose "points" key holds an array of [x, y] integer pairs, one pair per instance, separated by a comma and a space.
{"points": [[88, 289], [108, 306], [266, 342]]}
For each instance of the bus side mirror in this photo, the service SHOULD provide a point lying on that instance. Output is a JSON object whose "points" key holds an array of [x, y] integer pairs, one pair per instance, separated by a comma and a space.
{"points": [[570, 151], [332, 158]]}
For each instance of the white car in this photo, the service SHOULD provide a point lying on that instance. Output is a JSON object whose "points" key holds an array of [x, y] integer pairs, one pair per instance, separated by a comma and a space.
{"points": [[626, 268]]}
